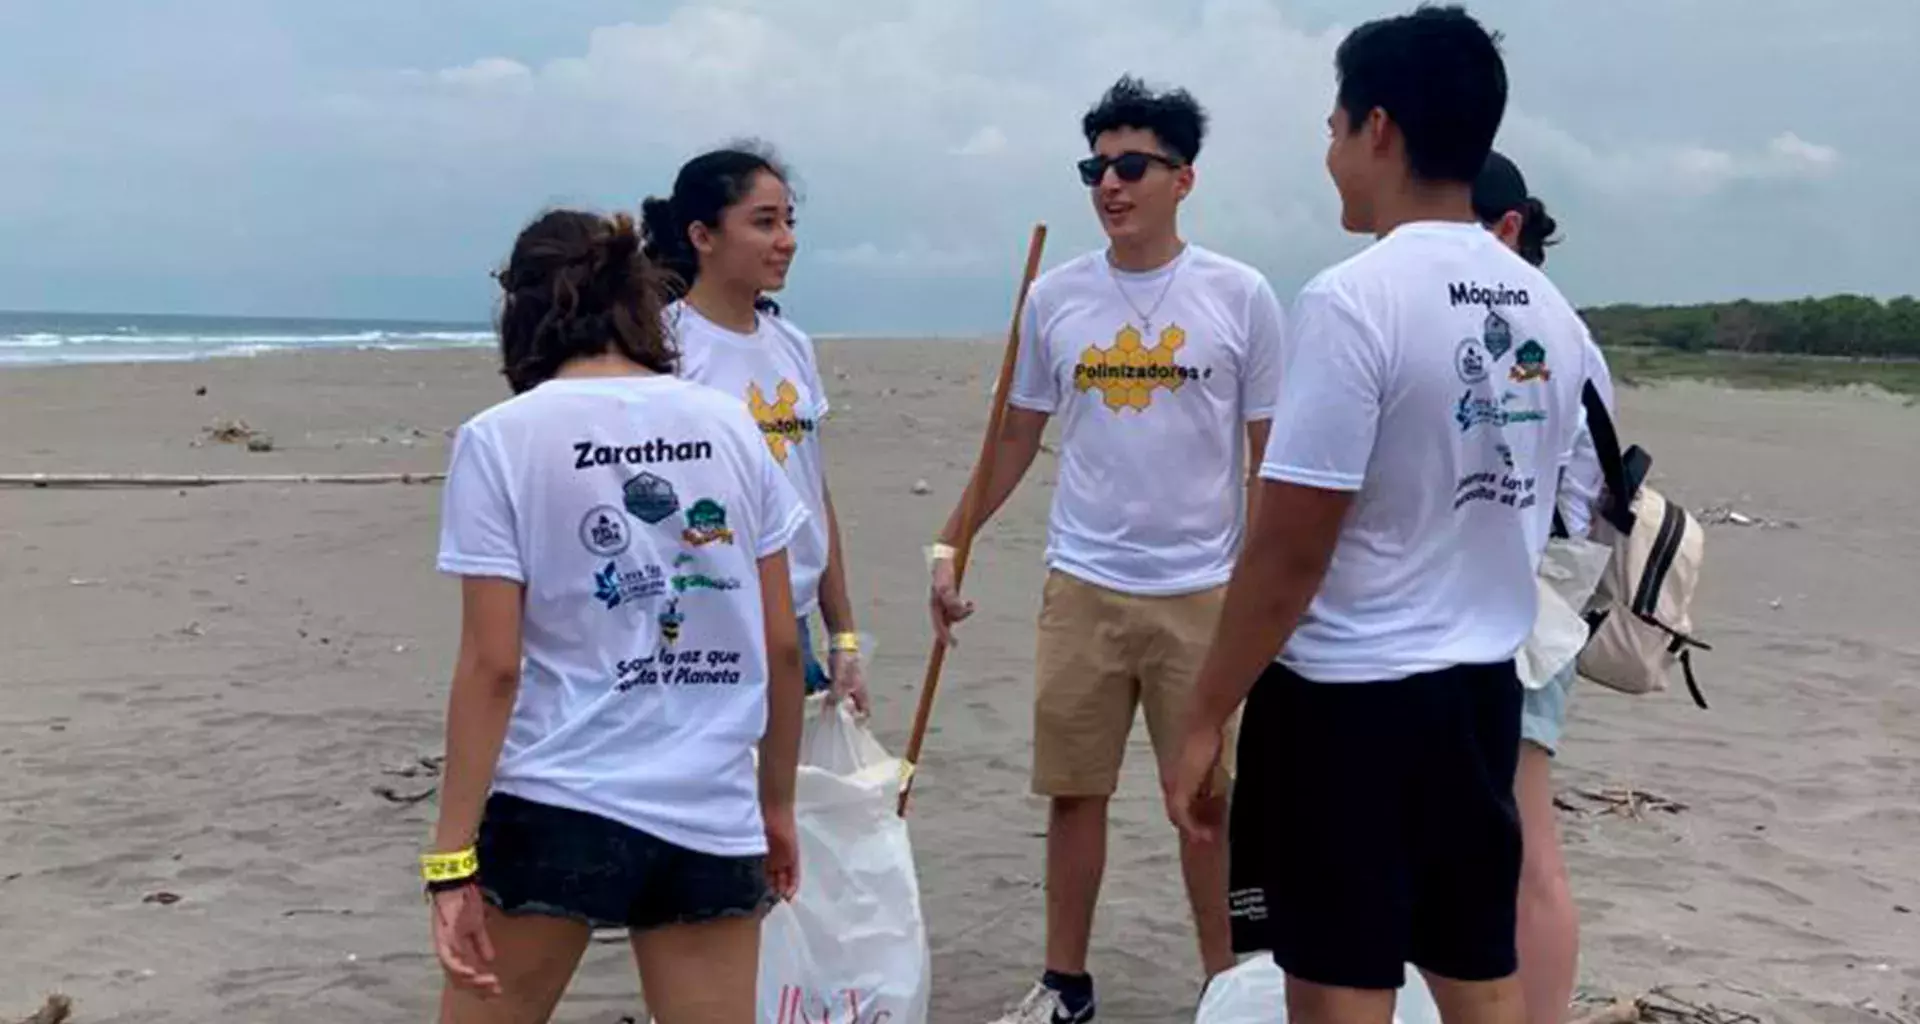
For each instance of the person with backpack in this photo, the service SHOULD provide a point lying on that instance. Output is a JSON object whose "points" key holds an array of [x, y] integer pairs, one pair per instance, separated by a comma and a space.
{"points": [[1430, 394], [1549, 922], [725, 235]]}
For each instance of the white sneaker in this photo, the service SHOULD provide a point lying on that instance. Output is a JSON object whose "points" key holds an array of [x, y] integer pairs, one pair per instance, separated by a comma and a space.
{"points": [[1043, 1006]]}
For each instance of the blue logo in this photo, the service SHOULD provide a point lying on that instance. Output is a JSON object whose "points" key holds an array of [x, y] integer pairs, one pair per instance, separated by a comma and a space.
{"points": [[649, 498], [1471, 412], [614, 587]]}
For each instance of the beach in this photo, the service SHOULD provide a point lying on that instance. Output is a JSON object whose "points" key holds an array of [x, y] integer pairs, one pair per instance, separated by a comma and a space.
{"points": [[205, 687]]}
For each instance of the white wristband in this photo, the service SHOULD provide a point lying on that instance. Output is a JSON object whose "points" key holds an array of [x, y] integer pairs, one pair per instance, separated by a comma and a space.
{"points": [[938, 552]]}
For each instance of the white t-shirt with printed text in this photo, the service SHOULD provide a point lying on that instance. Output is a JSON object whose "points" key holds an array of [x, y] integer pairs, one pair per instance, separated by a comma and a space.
{"points": [[774, 372], [1154, 377], [635, 511], [1437, 376]]}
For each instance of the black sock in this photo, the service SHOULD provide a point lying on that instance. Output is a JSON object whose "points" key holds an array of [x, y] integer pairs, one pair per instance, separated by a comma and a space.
{"points": [[1075, 990]]}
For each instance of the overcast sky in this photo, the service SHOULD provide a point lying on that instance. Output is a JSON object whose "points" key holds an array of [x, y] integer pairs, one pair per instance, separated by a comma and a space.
{"points": [[361, 158]]}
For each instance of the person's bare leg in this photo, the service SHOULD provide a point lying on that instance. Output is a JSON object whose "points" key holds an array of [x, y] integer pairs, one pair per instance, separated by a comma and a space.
{"points": [[1076, 861], [1310, 1003], [1205, 868], [701, 973], [1478, 1002], [1549, 932], [534, 957]]}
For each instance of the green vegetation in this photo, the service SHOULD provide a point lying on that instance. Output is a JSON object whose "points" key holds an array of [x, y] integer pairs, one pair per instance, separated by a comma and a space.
{"points": [[1809, 343]]}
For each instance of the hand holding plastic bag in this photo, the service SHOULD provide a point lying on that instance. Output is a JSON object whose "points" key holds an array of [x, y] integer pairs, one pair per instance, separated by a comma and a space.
{"points": [[1256, 993]]}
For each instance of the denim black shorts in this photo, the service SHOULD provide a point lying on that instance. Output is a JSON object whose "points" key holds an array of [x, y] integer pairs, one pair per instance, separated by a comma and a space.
{"points": [[540, 859]]}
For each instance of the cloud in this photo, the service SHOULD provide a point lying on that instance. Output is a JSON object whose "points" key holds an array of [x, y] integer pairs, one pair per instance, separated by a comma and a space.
{"points": [[376, 158], [1688, 171]]}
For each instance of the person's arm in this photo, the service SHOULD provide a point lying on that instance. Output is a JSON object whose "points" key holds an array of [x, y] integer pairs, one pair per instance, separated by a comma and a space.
{"points": [[1260, 380], [1257, 433], [786, 708], [1320, 444], [1014, 451], [836, 604], [1278, 573], [486, 679]]}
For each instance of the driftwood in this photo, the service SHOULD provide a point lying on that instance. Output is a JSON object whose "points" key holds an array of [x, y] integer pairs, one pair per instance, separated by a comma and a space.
{"points": [[1620, 1011], [58, 1010], [1661, 1006], [78, 480]]}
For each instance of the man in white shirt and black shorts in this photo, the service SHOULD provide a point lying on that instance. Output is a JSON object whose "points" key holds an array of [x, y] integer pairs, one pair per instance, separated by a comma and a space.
{"points": [[1159, 357], [1430, 395]]}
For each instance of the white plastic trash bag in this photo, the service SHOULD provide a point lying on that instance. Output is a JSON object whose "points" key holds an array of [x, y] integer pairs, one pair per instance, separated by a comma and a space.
{"points": [[1569, 573], [852, 947], [1256, 993]]}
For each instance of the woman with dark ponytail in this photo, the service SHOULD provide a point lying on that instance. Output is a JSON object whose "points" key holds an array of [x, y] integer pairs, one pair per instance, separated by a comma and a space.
{"points": [[627, 643], [726, 235], [1548, 921]]}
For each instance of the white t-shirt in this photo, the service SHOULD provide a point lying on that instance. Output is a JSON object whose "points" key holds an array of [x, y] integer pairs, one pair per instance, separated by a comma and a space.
{"points": [[1153, 461], [635, 511], [1438, 376], [773, 371]]}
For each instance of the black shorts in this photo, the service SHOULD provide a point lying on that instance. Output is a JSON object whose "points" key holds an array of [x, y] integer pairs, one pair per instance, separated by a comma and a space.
{"points": [[540, 859], [1374, 825]]}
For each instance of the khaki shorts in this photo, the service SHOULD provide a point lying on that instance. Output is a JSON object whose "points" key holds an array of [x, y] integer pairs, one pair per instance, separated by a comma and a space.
{"points": [[1103, 653]]}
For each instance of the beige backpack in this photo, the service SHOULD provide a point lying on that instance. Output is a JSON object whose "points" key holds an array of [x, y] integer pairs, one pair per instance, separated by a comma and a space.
{"points": [[1640, 614]]}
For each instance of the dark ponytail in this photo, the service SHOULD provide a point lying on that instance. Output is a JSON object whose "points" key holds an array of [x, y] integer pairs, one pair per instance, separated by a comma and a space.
{"points": [[576, 286], [704, 190], [1537, 229]]}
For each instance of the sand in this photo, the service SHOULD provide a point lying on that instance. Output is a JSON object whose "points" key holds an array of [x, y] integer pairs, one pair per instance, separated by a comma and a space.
{"points": [[202, 688]]}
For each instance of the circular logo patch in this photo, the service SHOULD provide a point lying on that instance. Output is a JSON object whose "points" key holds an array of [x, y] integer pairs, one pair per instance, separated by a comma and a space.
{"points": [[604, 531], [1470, 361]]}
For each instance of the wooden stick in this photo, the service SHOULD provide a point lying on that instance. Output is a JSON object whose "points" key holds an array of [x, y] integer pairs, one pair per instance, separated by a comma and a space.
{"points": [[970, 507], [73, 480], [1620, 1011]]}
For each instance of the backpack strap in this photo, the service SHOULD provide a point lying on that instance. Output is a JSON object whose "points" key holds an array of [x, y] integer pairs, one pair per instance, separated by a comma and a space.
{"points": [[1624, 473]]}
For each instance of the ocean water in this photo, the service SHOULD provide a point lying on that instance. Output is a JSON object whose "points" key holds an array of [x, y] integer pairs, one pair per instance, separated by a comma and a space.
{"points": [[36, 339]]}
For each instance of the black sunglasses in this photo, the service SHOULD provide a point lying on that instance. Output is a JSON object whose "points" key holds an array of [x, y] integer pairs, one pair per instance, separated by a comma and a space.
{"points": [[1130, 166]]}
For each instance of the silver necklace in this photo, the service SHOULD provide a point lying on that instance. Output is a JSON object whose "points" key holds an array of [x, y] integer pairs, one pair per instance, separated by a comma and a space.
{"points": [[1146, 318]]}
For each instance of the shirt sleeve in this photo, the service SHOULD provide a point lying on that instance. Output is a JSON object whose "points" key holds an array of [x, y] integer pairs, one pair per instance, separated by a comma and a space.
{"points": [[1266, 337], [1035, 388], [782, 512], [1328, 403], [478, 529]]}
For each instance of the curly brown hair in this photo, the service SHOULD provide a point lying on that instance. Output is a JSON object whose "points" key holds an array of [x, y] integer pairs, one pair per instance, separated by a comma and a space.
{"points": [[576, 286]]}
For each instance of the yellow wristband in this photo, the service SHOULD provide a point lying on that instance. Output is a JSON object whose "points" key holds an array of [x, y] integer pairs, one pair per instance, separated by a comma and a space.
{"points": [[846, 643], [940, 552], [449, 867]]}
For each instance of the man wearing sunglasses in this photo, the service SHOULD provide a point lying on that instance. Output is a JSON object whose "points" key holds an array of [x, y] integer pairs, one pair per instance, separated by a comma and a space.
{"points": [[1160, 359]]}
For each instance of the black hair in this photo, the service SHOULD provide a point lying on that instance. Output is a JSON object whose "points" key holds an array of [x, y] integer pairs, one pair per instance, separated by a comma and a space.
{"points": [[704, 189], [1174, 117], [1537, 229], [1501, 189], [1439, 75], [577, 285]]}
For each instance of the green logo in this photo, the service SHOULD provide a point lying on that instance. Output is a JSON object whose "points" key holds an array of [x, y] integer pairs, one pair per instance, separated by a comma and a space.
{"points": [[707, 524]]}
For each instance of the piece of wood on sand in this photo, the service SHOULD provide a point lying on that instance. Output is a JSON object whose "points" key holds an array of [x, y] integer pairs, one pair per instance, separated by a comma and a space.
{"points": [[58, 1010], [1620, 1011], [52, 481]]}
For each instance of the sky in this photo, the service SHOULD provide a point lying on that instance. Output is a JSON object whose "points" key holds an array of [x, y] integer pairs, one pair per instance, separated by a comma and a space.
{"points": [[374, 159]]}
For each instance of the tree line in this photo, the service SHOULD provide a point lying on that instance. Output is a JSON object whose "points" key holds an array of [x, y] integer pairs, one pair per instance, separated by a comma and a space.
{"points": [[1842, 326]]}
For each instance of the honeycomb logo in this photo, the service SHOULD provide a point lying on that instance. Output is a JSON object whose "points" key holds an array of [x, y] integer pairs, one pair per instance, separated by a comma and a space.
{"points": [[780, 423], [1127, 373]]}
